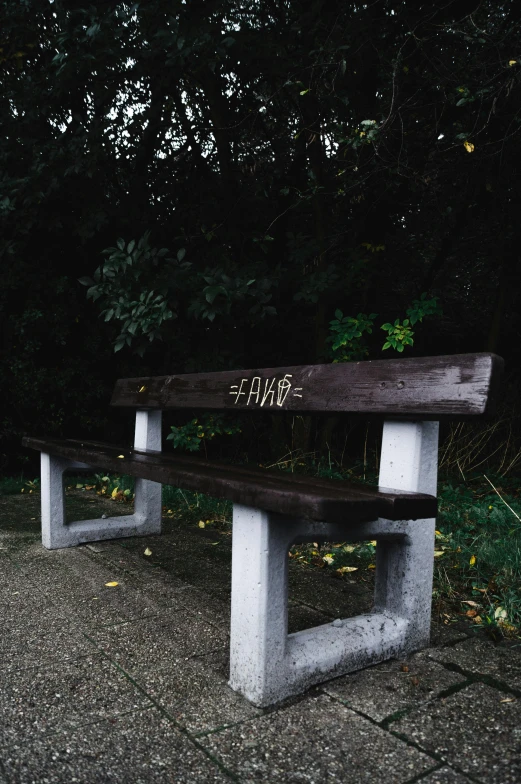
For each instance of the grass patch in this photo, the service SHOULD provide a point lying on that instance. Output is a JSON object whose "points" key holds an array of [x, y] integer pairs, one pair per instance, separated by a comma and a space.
{"points": [[10, 485], [479, 561]]}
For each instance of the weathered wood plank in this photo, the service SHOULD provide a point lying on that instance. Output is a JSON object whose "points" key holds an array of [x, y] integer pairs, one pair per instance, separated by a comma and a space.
{"points": [[425, 387], [290, 494]]}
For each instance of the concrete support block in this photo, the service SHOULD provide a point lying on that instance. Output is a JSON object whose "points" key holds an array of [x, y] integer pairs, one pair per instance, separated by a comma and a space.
{"points": [[267, 664], [147, 502], [147, 506], [404, 568]]}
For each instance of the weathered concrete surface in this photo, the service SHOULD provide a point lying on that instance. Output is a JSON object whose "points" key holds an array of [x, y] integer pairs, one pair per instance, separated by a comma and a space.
{"points": [[129, 683], [477, 729], [392, 687], [316, 740], [478, 657], [139, 747], [445, 775]]}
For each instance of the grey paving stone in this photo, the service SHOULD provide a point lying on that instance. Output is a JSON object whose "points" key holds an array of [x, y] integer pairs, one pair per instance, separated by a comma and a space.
{"points": [[78, 586], [207, 575], [443, 634], [195, 692], [339, 598], [141, 747], [316, 740], [475, 729], [19, 545], [83, 505], [142, 572], [35, 611], [215, 605], [8, 571], [381, 691], [22, 647], [16, 588], [20, 515], [301, 617], [62, 694], [444, 776], [484, 658], [176, 556], [205, 572], [146, 643], [168, 590]]}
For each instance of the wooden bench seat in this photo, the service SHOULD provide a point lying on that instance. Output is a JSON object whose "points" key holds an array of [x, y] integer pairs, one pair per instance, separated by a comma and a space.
{"points": [[340, 502], [272, 509]]}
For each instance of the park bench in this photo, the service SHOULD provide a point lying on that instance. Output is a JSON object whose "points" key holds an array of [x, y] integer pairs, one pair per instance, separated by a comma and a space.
{"points": [[272, 510]]}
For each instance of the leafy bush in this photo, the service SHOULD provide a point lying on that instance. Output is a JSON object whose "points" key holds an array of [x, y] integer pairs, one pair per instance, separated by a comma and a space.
{"points": [[204, 428], [347, 334]]}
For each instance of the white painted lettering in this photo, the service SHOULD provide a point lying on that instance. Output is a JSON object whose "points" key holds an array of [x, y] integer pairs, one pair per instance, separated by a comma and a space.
{"points": [[239, 392], [254, 389], [254, 395], [283, 388], [268, 391]]}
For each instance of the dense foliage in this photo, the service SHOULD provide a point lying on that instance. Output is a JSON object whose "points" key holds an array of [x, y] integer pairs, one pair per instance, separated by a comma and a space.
{"points": [[249, 171]]}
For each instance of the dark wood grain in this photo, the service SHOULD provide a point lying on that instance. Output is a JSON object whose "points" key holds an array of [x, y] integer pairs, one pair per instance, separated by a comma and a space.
{"points": [[462, 385], [289, 494]]}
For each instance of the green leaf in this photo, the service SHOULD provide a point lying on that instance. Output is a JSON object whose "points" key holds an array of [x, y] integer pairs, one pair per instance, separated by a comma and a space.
{"points": [[181, 253], [131, 245], [121, 244], [210, 293], [86, 281]]}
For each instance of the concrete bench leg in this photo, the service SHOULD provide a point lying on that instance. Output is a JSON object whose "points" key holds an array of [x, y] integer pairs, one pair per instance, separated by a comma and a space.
{"points": [[409, 461], [267, 664], [147, 505]]}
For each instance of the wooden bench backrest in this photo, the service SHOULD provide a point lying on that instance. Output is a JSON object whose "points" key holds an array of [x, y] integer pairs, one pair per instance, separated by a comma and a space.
{"points": [[462, 385]]}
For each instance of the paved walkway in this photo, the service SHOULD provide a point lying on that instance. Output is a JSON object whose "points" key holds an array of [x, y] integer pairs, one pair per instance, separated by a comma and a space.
{"points": [[129, 683]]}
